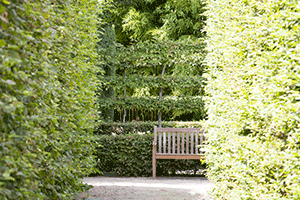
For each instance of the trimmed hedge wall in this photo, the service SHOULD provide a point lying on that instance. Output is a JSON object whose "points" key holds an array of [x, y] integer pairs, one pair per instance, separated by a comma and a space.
{"points": [[253, 99], [131, 155], [47, 104], [105, 128], [169, 104]]}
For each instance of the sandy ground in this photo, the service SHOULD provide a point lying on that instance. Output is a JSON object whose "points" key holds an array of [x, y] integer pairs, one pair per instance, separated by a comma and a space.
{"points": [[163, 188]]}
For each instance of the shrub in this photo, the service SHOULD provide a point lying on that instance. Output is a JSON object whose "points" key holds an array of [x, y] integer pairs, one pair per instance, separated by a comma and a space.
{"points": [[253, 99], [131, 155], [47, 84], [108, 128]]}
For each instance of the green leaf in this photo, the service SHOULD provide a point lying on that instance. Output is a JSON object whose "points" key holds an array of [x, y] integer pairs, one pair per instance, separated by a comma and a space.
{"points": [[2, 43], [10, 82], [14, 55], [13, 47], [6, 2], [2, 9]]}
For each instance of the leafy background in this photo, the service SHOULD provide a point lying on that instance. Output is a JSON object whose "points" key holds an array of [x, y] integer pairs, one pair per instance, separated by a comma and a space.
{"points": [[159, 47]]}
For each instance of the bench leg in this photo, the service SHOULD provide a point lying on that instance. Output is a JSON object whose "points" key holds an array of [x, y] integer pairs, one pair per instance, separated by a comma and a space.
{"points": [[154, 162]]}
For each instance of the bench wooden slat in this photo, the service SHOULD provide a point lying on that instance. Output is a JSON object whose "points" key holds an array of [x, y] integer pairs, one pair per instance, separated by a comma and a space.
{"points": [[173, 136], [201, 142], [178, 142], [159, 143], [164, 142], [196, 143], [192, 143], [182, 144], [182, 130], [178, 156], [187, 143], [169, 142]]}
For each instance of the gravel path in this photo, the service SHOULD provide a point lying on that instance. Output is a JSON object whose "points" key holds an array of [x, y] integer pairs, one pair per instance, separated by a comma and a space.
{"points": [[163, 188]]}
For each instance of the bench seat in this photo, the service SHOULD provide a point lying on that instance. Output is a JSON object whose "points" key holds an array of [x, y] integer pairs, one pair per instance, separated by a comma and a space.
{"points": [[179, 156]]}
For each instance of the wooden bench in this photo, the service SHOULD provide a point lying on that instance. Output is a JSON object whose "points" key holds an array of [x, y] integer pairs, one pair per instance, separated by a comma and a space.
{"points": [[177, 143]]}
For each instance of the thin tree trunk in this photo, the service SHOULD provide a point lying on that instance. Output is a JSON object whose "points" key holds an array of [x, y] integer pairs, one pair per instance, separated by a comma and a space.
{"points": [[124, 116], [107, 47], [160, 99]]}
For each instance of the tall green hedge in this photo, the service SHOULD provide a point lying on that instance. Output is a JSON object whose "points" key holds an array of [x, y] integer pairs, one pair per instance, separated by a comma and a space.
{"points": [[131, 155], [253, 99], [47, 109], [119, 128]]}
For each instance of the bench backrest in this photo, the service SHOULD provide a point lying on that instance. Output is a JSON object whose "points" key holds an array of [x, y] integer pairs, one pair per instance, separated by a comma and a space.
{"points": [[178, 140]]}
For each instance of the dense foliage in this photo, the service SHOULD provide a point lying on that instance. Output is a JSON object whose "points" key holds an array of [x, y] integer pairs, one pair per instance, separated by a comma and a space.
{"points": [[106, 49], [144, 20], [47, 105], [169, 105], [131, 155], [253, 99], [154, 82], [105, 128], [157, 39]]}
